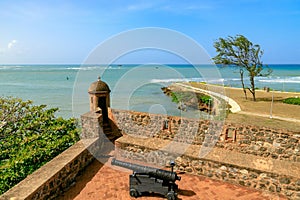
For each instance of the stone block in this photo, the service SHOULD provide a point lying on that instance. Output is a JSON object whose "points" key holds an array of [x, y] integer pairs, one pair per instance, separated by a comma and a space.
{"points": [[244, 171], [284, 180]]}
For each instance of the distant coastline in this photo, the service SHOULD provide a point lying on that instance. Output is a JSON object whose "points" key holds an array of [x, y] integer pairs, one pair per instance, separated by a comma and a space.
{"points": [[47, 84]]}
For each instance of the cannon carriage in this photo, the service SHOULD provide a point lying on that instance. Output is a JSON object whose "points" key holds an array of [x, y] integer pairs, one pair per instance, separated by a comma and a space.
{"points": [[148, 179]]}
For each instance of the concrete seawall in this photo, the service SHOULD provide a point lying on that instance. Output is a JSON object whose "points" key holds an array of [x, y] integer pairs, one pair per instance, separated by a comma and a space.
{"points": [[234, 106]]}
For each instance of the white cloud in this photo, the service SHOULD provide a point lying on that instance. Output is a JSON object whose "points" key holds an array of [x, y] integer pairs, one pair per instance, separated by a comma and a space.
{"points": [[12, 49], [12, 44]]}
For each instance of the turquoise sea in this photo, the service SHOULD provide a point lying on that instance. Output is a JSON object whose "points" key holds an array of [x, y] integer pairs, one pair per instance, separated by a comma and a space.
{"points": [[134, 87]]}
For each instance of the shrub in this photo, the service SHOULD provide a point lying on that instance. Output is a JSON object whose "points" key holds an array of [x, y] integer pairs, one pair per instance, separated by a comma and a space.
{"points": [[179, 96], [206, 99], [183, 96], [292, 100], [30, 136]]}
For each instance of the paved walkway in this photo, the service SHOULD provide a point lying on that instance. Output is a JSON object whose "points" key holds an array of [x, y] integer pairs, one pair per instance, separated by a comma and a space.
{"points": [[234, 105], [100, 182], [273, 116]]}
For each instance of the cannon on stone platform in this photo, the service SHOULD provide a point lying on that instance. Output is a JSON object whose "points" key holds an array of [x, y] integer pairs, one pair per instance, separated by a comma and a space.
{"points": [[148, 179]]}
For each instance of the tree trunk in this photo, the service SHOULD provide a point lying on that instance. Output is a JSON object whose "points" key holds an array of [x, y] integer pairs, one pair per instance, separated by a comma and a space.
{"points": [[242, 80], [252, 87]]}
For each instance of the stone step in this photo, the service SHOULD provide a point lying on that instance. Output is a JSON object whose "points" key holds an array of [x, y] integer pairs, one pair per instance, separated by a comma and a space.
{"points": [[112, 137], [109, 133]]}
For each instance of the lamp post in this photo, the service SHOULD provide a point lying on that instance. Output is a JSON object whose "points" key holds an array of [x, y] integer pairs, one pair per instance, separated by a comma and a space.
{"points": [[271, 109]]}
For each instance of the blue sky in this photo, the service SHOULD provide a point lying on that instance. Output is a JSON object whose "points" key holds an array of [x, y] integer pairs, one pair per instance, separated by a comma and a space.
{"points": [[58, 31]]}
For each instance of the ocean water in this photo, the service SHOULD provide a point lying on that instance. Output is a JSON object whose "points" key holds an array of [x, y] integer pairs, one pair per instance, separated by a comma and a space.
{"points": [[134, 87]]}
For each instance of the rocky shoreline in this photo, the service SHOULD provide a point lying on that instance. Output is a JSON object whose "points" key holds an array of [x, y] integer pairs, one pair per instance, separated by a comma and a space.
{"points": [[190, 100]]}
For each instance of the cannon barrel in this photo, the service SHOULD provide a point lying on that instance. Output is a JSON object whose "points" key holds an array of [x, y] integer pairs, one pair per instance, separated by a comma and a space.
{"points": [[154, 172]]}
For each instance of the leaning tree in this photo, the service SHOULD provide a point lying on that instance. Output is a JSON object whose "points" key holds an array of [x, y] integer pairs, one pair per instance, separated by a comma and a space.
{"points": [[240, 52]]}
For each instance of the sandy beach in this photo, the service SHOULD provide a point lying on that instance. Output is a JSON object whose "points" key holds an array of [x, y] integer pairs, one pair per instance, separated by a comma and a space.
{"points": [[261, 112]]}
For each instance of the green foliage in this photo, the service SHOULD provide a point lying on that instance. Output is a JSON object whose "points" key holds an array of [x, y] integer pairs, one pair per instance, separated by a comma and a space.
{"points": [[174, 97], [180, 96], [205, 99], [240, 52], [292, 100], [30, 136]]}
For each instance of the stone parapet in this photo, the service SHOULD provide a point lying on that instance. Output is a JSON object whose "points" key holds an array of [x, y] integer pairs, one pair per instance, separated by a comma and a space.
{"points": [[92, 125], [260, 141], [277, 176], [56, 176]]}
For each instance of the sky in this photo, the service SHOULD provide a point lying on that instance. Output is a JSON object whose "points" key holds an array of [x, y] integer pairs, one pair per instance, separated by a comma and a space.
{"points": [[66, 32]]}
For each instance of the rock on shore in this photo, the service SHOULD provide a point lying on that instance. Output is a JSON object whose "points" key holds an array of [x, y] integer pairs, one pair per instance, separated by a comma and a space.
{"points": [[194, 102]]}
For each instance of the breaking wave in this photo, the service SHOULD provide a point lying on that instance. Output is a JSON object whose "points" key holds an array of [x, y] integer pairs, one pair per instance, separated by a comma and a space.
{"points": [[173, 80], [281, 80]]}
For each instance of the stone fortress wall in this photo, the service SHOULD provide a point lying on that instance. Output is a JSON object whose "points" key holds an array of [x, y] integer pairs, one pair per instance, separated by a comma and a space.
{"points": [[260, 141], [256, 157], [260, 158], [56, 176]]}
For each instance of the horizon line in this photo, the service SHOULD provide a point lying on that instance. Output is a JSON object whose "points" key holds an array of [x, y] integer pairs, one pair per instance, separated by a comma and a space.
{"points": [[133, 64]]}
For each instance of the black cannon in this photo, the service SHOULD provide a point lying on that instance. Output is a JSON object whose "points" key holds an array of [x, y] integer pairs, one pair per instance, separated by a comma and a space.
{"points": [[148, 179]]}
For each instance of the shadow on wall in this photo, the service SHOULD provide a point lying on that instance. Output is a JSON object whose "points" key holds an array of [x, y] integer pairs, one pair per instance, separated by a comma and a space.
{"points": [[81, 181]]}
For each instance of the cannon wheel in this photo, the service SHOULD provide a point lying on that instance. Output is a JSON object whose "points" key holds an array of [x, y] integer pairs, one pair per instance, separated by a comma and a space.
{"points": [[134, 193], [171, 196]]}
